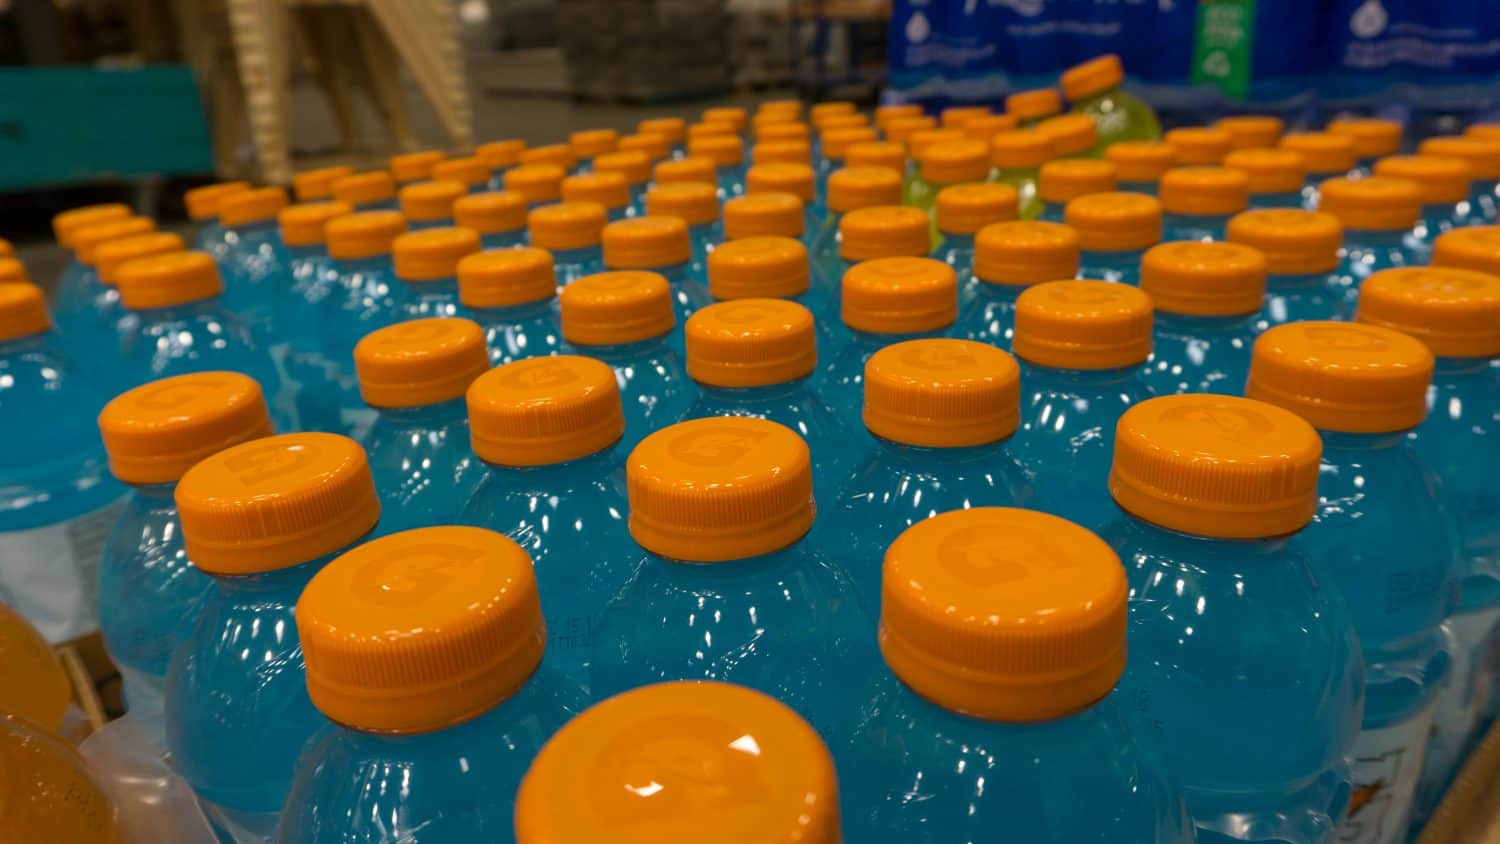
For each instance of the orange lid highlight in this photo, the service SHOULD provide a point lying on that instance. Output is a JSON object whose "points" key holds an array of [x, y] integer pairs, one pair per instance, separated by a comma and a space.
{"points": [[89, 238], [902, 128], [538, 183], [414, 166], [542, 411], [763, 215], [723, 150], [501, 154], [828, 108], [701, 131], [304, 224], [781, 152], [884, 231], [275, 503], [1022, 148], [161, 281], [634, 165], [758, 267], [471, 172], [1067, 179], [67, 222], [953, 162], [764, 118], [7, 249], [1070, 134], [789, 131], [1269, 170], [203, 202], [560, 155], [1324, 153], [312, 185], [942, 393], [1004, 614], [1115, 222], [833, 122], [1483, 131], [421, 630], [432, 254], [364, 188], [855, 187], [671, 128], [1483, 156], [1035, 104], [984, 128], [491, 212], [583, 786], [1141, 161], [1440, 180], [567, 225], [645, 243], [1204, 279], [1341, 376], [1252, 131], [1199, 144], [155, 433], [23, 311], [1204, 191], [965, 209], [1378, 203], [429, 202], [919, 142], [1470, 248], [751, 343], [420, 362], [886, 154], [1025, 252], [732, 115], [899, 296], [957, 117], [14, 272], [113, 254], [591, 142], [695, 203], [1456, 312], [1372, 137], [795, 179], [691, 169], [886, 113], [35, 688], [1087, 325], [1094, 76], [1294, 242], [656, 147], [501, 278], [609, 309]]}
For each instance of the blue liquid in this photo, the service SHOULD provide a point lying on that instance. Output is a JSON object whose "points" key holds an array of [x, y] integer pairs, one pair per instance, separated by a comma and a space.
{"points": [[731, 182], [1484, 201], [421, 225], [1246, 664], [363, 299], [1263, 201], [86, 311], [840, 382], [1313, 189], [989, 316], [211, 238], [570, 517], [654, 385], [427, 299], [689, 295], [1367, 253], [705, 236], [518, 332], [1435, 220], [1295, 298], [823, 253], [1121, 267], [298, 308], [796, 406], [957, 251], [1053, 212], [422, 463], [1192, 227], [1147, 188], [256, 267], [503, 240], [638, 200], [1197, 354], [573, 264], [76, 290]]}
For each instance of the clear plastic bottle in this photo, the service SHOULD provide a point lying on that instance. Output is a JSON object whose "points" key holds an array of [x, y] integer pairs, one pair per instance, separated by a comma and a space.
{"points": [[203, 209], [425, 265], [1445, 184], [429, 205], [1094, 88], [1325, 155], [512, 294], [588, 144], [1373, 139], [1018, 156], [1207, 298], [1008, 257], [635, 166], [374, 190], [661, 245], [51, 796], [539, 184], [1483, 155], [849, 189], [960, 213], [425, 650], [1377, 213], [261, 518], [1139, 165], [500, 156], [1114, 232], [728, 154], [70, 222], [254, 263], [876, 232], [84, 302], [942, 165], [1242, 657], [1276, 176], [606, 189], [695, 203], [297, 309], [834, 146], [364, 297], [572, 232], [105, 322], [1301, 249], [1197, 202], [795, 179], [1252, 131], [771, 268], [498, 216]]}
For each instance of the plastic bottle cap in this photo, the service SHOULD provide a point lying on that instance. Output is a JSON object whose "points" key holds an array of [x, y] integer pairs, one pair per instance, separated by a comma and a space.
{"points": [[645, 243], [1204, 191], [36, 689], [1025, 252], [695, 203], [1440, 180], [751, 343], [1482, 155], [162, 281], [942, 393], [723, 150], [501, 278], [1324, 153], [1070, 134], [1470, 248], [1069, 178], [557, 155], [1200, 144], [781, 152], [592, 142], [703, 131], [765, 118], [314, 185], [792, 109], [538, 183], [655, 147], [431, 201], [1269, 170], [671, 128], [763, 215], [1019, 149], [414, 166], [886, 113], [500, 155], [608, 189], [364, 188], [902, 128], [987, 127], [952, 162], [23, 311], [156, 432], [855, 187], [1294, 242], [67, 222], [884, 231], [690, 169], [275, 503], [1376, 203], [1456, 312], [718, 758], [732, 115], [470, 171], [1339, 376], [1004, 614], [111, 255], [432, 254], [1092, 77], [1115, 222], [7, 249], [1141, 161], [567, 225], [1483, 131], [1034, 104], [758, 267], [304, 224], [421, 630], [1204, 279], [89, 238], [919, 142], [492, 212], [1085, 325], [957, 117], [887, 154], [610, 309], [795, 179], [829, 108], [899, 296], [543, 411], [1252, 131], [789, 131], [14, 272], [822, 124], [420, 362], [1218, 466], [203, 203], [1372, 137], [965, 209]]}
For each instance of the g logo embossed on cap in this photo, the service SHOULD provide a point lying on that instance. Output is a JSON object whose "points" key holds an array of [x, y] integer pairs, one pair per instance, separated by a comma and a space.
{"points": [[258, 464], [416, 331], [1344, 338], [986, 556], [183, 392], [1083, 294], [744, 313], [1438, 281], [938, 356], [721, 446], [540, 374], [682, 766], [412, 575], [1232, 423]]}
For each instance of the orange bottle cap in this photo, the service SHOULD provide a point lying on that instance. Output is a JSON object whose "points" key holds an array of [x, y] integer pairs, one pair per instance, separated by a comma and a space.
{"points": [[723, 150], [1482, 155], [899, 296], [275, 503], [732, 115], [887, 154], [1339, 376], [695, 203], [89, 238], [414, 166], [646, 243], [1114, 222], [432, 254], [957, 117], [780, 152], [421, 630], [469, 172], [23, 311], [111, 255], [1470, 248], [35, 687], [1070, 134], [538, 183], [592, 142], [364, 188], [886, 113], [854, 187], [1218, 466], [1086, 325], [559, 155], [1141, 161], [987, 127], [766, 118], [14, 272], [492, 212], [965, 209], [758, 267], [501, 278], [763, 215], [162, 281], [1204, 191], [1094, 76], [1372, 137], [1070, 178], [7, 249], [701, 131], [919, 142], [1034, 104], [825, 123], [203, 203], [1269, 170], [690, 169], [430, 201], [501, 154], [1021, 148], [751, 343], [313, 185], [543, 411], [1456, 312], [655, 147], [1324, 153], [952, 162], [884, 231], [420, 362], [567, 225], [67, 222], [611, 309], [1483, 131], [155, 433], [304, 224], [1377, 203], [795, 179], [1294, 242], [1204, 279], [829, 108], [1252, 131], [1004, 614], [1440, 180], [671, 128], [1199, 144], [789, 131], [758, 772], [902, 128], [1025, 252], [942, 393]]}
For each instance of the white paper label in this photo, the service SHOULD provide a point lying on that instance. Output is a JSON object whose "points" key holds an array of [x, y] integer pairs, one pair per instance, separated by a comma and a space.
{"points": [[1384, 768], [1460, 702], [51, 573]]}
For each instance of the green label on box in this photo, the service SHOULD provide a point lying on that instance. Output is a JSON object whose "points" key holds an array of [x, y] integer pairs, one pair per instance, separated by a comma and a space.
{"points": [[1221, 45]]}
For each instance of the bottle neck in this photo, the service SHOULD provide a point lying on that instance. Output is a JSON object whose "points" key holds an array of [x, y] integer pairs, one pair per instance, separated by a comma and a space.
{"points": [[1037, 377], [291, 580], [1368, 239], [1348, 441], [372, 264], [1174, 543], [185, 310], [874, 342], [441, 288], [586, 469], [157, 494], [649, 347], [1296, 281], [436, 415], [1194, 322], [23, 345], [513, 313], [577, 256], [994, 291], [755, 395], [1461, 366], [958, 242], [1015, 174], [925, 457], [313, 252]]}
